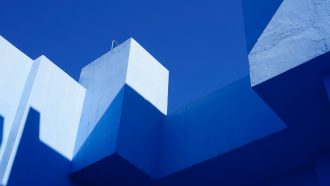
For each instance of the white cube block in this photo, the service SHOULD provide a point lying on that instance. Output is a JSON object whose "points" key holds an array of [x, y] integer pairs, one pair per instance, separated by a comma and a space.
{"points": [[127, 64]]}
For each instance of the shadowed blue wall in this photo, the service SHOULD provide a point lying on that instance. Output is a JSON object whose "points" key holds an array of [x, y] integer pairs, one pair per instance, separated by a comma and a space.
{"points": [[301, 101], [36, 163], [302, 176], [322, 166], [158, 146], [127, 146], [225, 120], [103, 137], [1, 128]]}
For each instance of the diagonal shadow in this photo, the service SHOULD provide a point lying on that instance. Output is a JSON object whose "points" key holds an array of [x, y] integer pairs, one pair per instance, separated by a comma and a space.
{"points": [[1, 128], [36, 163], [114, 159]]}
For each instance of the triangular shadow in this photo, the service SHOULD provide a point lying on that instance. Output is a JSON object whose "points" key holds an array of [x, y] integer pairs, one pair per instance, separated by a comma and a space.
{"points": [[2, 121]]}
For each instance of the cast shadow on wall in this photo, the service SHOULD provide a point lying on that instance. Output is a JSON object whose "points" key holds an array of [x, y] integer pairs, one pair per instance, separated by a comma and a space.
{"points": [[1, 128], [36, 163]]}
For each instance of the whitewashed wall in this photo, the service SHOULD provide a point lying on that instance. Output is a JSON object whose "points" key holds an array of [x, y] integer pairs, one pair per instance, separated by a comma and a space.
{"points": [[45, 87], [298, 32]]}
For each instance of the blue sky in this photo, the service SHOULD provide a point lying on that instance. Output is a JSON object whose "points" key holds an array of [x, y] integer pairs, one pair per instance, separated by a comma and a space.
{"points": [[202, 43]]}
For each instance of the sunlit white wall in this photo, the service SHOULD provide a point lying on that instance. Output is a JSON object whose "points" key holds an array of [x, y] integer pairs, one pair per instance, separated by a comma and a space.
{"points": [[45, 87], [14, 70]]}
